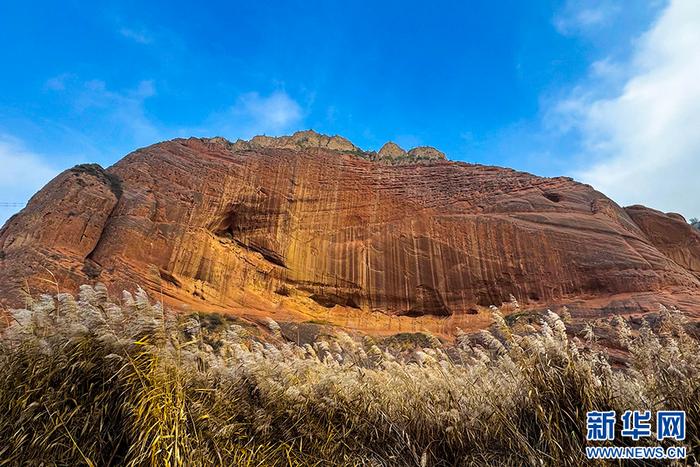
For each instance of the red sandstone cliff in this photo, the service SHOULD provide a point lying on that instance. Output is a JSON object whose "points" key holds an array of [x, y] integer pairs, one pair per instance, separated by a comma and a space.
{"points": [[206, 221]]}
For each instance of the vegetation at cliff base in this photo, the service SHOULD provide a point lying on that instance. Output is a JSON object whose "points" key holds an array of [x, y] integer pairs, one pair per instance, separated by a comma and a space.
{"points": [[99, 382]]}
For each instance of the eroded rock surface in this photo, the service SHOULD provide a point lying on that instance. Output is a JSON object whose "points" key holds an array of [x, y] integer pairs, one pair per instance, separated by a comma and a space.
{"points": [[671, 234], [315, 219]]}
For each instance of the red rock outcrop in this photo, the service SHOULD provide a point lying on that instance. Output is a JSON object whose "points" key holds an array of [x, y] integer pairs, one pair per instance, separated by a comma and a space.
{"points": [[317, 220], [671, 234]]}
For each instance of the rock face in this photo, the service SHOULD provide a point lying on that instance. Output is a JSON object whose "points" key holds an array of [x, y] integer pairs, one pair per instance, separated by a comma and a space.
{"points": [[671, 234], [392, 153], [391, 150], [316, 219], [299, 140]]}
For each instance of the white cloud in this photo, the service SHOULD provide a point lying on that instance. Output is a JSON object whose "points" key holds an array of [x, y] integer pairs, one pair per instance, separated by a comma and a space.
{"points": [[137, 35], [254, 114], [21, 168], [642, 144], [120, 120], [270, 114], [23, 173], [105, 123], [99, 121], [58, 83], [607, 69], [123, 112], [577, 16]]}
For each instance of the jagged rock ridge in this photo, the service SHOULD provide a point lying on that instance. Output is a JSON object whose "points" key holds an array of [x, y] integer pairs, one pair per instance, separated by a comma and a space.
{"points": [[390, 153], [315, 219]]}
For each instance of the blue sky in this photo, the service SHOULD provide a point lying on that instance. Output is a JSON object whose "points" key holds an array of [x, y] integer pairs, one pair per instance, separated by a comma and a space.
{"points": [[604, 91]]}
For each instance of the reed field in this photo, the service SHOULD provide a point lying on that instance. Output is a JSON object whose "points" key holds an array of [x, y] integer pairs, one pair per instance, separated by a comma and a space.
{"points": [[94, 380]]}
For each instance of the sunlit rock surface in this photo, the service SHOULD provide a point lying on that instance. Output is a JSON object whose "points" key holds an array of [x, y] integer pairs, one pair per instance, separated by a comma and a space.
{"points": [[316, 220]]}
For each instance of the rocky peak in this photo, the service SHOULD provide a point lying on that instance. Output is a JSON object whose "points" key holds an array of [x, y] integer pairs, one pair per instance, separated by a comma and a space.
{"points": [[394, 154], [391, 150], [390, 153], [426, 153], [300, 140]]}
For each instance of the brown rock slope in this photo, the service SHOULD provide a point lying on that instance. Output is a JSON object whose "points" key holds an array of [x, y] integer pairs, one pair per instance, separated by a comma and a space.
{"points": [[314, 220]]}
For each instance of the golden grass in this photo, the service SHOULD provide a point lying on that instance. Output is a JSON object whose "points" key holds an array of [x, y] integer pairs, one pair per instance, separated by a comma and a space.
{"points": [[88, 381]]}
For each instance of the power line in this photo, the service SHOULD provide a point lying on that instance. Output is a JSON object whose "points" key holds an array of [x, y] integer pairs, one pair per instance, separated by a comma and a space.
{"points": [[11, 205]]}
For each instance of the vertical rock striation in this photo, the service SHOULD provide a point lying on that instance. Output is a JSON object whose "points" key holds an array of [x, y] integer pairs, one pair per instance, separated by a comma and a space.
{"points": [[402, 232]]}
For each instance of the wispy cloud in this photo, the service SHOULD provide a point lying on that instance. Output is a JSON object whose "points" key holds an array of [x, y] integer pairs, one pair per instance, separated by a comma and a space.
{"points": [[58, 83], [253, 114], [643, 143], [141, 35], [116, 121], [99, 121], [120, 118], [23, 173], [578, 16], [124, 111], [272, 113]]}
